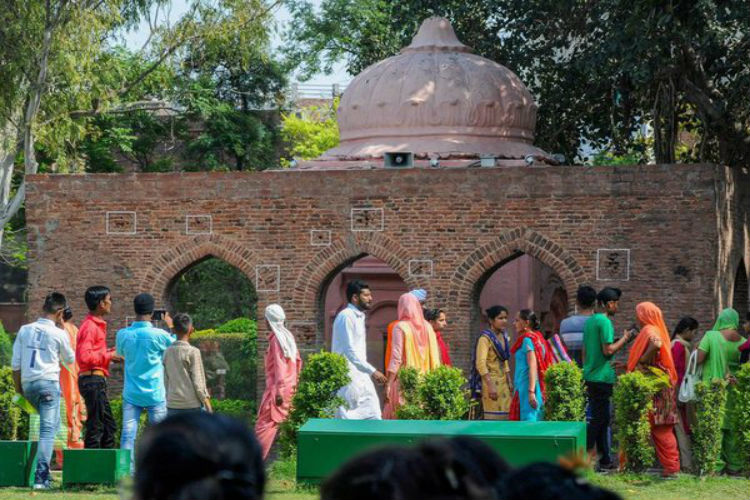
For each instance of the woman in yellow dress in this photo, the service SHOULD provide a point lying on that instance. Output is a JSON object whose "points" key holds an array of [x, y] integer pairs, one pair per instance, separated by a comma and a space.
{"points": [[490, 378]]}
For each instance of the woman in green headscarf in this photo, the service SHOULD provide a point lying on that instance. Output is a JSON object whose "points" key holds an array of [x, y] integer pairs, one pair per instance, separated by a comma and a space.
{"points": [[719, 356]]}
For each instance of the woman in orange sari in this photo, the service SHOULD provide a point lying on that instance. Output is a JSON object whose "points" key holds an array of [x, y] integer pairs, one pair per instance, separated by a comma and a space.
{"points": [[652, 349], [414, 344]]}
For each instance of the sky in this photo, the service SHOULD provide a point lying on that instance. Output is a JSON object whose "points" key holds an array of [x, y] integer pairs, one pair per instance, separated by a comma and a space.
{"points": [[136, 38]]}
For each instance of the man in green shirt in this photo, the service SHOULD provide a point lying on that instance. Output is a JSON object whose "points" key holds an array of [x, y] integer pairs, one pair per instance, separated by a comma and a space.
{"points": [[599, 347]]}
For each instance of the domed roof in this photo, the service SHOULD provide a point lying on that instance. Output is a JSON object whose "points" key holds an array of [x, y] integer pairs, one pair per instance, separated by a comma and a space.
{"points": [[436, 98]]}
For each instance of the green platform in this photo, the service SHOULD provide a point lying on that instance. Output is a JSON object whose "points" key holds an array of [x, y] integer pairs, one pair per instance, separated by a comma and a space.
{"points": [[17, 463], [95, 466], [325, 444]]}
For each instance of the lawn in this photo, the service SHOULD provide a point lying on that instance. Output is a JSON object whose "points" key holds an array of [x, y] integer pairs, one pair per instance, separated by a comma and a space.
{"points": [[282, 485]]}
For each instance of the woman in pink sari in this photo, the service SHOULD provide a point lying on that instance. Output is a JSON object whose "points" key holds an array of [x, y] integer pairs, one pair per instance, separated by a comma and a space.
{"points": [[283, 365], [414, 345]]}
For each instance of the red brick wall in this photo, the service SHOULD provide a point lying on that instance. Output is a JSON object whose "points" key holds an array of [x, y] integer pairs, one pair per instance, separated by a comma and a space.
{"points": [[465, 221]]}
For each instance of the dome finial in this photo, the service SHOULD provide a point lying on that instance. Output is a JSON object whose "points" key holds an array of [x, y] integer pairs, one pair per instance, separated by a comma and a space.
{"points": [[436, 34]]}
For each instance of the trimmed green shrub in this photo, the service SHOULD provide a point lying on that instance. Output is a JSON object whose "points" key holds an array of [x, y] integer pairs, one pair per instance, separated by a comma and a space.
{"points": [[709, 414], [235, 408], [239, 325], [566, 400], [10, 414], [739, 415], [436, 395], [633, 397], [322, 376], [228, 351], [6, 347]]}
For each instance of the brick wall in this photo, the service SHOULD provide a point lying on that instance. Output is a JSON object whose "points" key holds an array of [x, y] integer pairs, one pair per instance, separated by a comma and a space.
{"points": [[291, 231]]}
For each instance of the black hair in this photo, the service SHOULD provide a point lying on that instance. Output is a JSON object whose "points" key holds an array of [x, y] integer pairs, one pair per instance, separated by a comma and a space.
{"points": [[458, 468], [182, 322], [608, 294], [432, 314], [94, 295], [586, 297], [685, 324], [54, 302], [530, 316], [355, 288], [199, 455], [494, 311], [546, 481]]}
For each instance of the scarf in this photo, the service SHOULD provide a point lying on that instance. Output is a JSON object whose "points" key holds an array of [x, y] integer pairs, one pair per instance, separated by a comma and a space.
{"points": [[653, 326], [728, 319], [417, 332], [275, 317]]}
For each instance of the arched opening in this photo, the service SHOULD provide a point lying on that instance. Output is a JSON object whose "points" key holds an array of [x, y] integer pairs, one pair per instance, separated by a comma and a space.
{"points": [[522, 282], [215, 292], [386, 285], [741, 296], [212, 291]]}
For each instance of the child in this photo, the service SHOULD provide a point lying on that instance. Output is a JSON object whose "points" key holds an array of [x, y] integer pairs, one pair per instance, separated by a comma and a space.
{"points": [[183, 372]]}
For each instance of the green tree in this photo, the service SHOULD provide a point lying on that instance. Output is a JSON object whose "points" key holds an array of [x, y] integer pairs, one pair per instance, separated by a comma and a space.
{"points": [[310, 132], [600, 71], [213, 292]]}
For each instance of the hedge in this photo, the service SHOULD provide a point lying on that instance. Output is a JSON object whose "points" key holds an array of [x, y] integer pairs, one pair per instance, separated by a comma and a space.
{"points": [[566, 399], [437, 395], [707, 434], [241, 365], [633, 396], [322, 376], [10, 414], [739, 417]]}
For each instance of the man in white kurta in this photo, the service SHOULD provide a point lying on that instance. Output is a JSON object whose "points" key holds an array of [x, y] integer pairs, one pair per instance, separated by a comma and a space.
{"points": [[350, 340]]}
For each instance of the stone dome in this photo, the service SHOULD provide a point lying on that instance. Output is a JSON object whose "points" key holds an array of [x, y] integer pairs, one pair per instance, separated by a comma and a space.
{"points": [[436, 98]]}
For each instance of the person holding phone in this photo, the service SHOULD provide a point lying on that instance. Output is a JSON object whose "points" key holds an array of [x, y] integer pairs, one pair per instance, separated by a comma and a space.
{"points": [[142, 346], [38, 350]]}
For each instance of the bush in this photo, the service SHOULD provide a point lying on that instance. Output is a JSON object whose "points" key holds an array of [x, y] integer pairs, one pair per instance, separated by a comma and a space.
{"points": [[322, 376], [739, 415], [633, 395], [709, 414], [233, 356], [10, 414], [436, 395], [6, 347], [239, 325], [235, 408], [566, 401]]}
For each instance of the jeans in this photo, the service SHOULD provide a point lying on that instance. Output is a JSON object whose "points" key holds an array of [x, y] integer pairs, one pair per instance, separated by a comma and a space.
{"points": [[44, 395], [597, 434], [100, 425], [131, 416]]}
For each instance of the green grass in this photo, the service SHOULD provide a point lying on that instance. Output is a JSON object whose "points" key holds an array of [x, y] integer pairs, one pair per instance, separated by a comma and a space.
{"points": [[282, 485]]}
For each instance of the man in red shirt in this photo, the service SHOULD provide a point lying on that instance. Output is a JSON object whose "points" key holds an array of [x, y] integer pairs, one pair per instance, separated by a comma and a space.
{"points": [[93, 357]]}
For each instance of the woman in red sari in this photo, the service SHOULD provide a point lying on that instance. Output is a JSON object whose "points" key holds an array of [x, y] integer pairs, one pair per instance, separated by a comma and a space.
{"points": [[652, 349]]}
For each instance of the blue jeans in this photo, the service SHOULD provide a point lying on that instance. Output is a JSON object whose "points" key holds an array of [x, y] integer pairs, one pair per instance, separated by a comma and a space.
{"points": [[44, 395], [131, 416]]}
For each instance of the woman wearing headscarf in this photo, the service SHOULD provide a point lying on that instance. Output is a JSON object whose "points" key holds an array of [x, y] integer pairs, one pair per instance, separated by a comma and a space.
{"points": [[283, 365], [719, 355], [414, 345], [652, 349]]}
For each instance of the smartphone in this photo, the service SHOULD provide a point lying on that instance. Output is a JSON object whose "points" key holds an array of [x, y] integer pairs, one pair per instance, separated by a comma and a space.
{"points": [[158, 314]]}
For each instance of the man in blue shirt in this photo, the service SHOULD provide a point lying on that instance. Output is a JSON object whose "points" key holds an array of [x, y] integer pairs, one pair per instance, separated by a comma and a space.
{"points": [[142, 345], [571, 328]]}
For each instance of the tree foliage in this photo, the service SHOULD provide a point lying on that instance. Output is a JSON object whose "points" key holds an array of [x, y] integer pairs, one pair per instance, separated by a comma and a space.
{"points": [[600, 71], [310, 132], [212, 292]]}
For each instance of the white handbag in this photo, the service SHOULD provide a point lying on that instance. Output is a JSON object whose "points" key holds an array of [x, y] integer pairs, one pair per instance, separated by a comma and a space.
{"points": [[692, 377]]}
